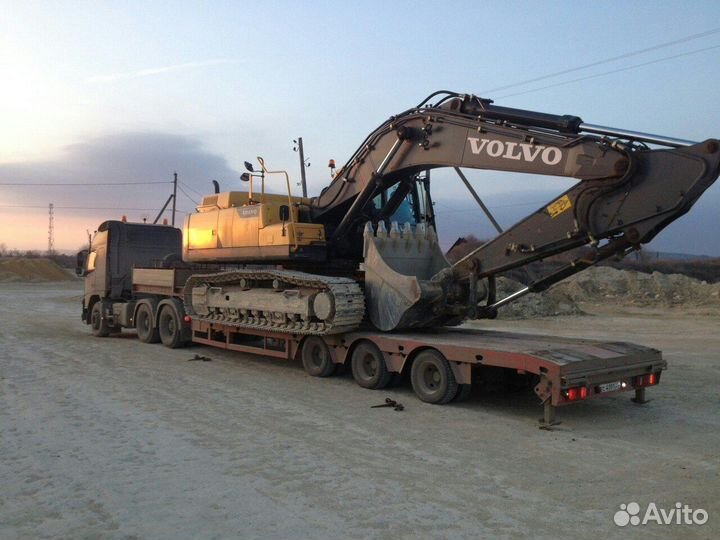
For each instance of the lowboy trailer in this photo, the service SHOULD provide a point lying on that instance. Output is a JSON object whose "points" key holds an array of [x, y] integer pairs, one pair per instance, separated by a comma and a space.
{"points": [[440, 361]]}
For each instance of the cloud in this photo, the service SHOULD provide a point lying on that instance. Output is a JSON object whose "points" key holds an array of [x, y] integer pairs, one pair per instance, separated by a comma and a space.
{"points": [[123, 157], [119, 158], [149, 72]]}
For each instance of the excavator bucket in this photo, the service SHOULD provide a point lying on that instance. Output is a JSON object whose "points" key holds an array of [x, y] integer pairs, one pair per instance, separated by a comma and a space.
{"points": [[399, 265]]}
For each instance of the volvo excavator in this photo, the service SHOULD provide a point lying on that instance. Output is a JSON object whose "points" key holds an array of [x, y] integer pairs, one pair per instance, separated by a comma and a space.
{"points": [[365, 250]]}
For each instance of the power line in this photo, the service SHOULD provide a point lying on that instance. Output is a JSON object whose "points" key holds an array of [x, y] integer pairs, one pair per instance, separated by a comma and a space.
{"points": [[634, 66], [43, 184], [55, 207], [188, 196], [191, 189], [605, 61]]}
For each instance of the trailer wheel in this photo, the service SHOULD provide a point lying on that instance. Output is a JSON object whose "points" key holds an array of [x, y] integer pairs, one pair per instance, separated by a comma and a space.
{"points": [[432, 378], [316, 357], [146, 331], [98, 323], [368, 366], [170, 329]]}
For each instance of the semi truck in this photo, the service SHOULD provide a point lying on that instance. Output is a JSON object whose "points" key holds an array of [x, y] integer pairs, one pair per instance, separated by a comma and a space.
{"points": [[355, 276], [132, 281]]}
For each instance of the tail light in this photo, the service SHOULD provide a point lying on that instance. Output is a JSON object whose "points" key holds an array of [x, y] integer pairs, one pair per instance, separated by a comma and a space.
{"points": [[187, 319], [575, 394], [646, 380]]}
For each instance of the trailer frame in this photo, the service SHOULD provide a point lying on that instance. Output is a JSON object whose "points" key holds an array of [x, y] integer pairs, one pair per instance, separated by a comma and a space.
{"points": [[566, 370]]}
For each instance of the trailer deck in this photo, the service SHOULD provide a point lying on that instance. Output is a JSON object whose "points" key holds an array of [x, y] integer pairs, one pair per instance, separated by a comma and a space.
{"points": [[564, 370], [567, 370]]}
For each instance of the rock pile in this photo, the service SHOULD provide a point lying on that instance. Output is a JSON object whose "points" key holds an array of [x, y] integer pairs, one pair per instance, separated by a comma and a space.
{"points": [[610, 286]]}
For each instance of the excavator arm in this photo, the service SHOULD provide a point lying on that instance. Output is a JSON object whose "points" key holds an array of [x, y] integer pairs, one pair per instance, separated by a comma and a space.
{"points": [[627, 192]]}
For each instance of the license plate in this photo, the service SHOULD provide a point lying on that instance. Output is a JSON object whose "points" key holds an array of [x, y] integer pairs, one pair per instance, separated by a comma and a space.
{"points": [[609, 387]]}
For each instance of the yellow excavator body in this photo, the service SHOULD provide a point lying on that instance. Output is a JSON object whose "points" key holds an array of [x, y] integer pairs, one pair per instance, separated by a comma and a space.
{"points": [[234, 227]]}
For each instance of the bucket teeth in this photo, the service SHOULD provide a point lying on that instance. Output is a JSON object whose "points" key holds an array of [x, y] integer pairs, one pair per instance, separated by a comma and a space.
{"points": [[394, 230], [381, 230], [407, 232]]}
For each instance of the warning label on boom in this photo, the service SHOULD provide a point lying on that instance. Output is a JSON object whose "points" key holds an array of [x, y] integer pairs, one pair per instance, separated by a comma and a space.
{"points": [[559, 206]]}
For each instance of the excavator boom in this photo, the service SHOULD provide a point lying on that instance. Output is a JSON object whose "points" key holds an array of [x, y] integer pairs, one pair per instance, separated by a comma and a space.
{"points": [[627, 192]]}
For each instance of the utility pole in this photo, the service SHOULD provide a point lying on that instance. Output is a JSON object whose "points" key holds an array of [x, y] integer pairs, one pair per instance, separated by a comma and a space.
{"points": [[51, 230], [174, 197], [302, 166]]}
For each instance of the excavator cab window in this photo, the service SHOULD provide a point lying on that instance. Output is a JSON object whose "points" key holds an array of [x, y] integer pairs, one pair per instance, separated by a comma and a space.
{"points": [[405, 202], [405, 210]]}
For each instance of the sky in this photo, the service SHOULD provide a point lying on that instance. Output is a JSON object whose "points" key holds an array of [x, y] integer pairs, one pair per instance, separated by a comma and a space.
{"points": [[131, 92]]}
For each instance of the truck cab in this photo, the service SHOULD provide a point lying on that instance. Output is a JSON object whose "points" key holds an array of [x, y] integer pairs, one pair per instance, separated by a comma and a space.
{"points": [[116, 248]]}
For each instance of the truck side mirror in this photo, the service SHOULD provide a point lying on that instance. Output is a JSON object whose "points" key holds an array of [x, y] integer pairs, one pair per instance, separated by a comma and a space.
{"points": [[284, 213], [80, 260]]}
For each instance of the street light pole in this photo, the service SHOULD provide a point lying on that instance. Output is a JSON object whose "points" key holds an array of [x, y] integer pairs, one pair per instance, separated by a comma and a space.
{"points": [[174, 197], [302, 167]]}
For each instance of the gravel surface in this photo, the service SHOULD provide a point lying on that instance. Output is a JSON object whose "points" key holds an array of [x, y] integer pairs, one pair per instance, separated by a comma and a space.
{"points": [[112, 438]]}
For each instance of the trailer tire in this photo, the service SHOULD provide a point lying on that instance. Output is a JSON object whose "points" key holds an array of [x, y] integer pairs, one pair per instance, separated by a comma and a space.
{"points": [[98, 323], [316, 357], [368, 366], [169, 327], [147, 332], [432, 377]]}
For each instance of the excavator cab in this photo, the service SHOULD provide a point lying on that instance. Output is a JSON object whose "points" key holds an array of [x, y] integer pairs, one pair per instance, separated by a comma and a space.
{"points": [[405, 202]]}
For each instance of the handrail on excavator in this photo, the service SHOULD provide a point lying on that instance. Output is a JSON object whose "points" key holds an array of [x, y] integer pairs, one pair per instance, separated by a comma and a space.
{"points": [[261, 161]]}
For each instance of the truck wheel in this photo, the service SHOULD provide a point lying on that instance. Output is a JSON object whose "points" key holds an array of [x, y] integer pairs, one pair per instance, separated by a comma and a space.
{"points": [[432, 378], [170, 329], [316, 357], [147, 332], [368, 366], [98, 323]]}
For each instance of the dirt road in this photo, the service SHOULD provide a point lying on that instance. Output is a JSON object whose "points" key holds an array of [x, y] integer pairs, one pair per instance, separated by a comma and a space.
{"points": [[111, 438]]}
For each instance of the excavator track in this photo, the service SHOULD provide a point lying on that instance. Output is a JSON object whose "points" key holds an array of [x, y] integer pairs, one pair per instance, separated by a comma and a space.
{"points": [[347, 301]]}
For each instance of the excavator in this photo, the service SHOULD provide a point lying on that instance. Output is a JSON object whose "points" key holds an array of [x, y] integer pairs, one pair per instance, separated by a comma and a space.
{"points": [[365, 250]]}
